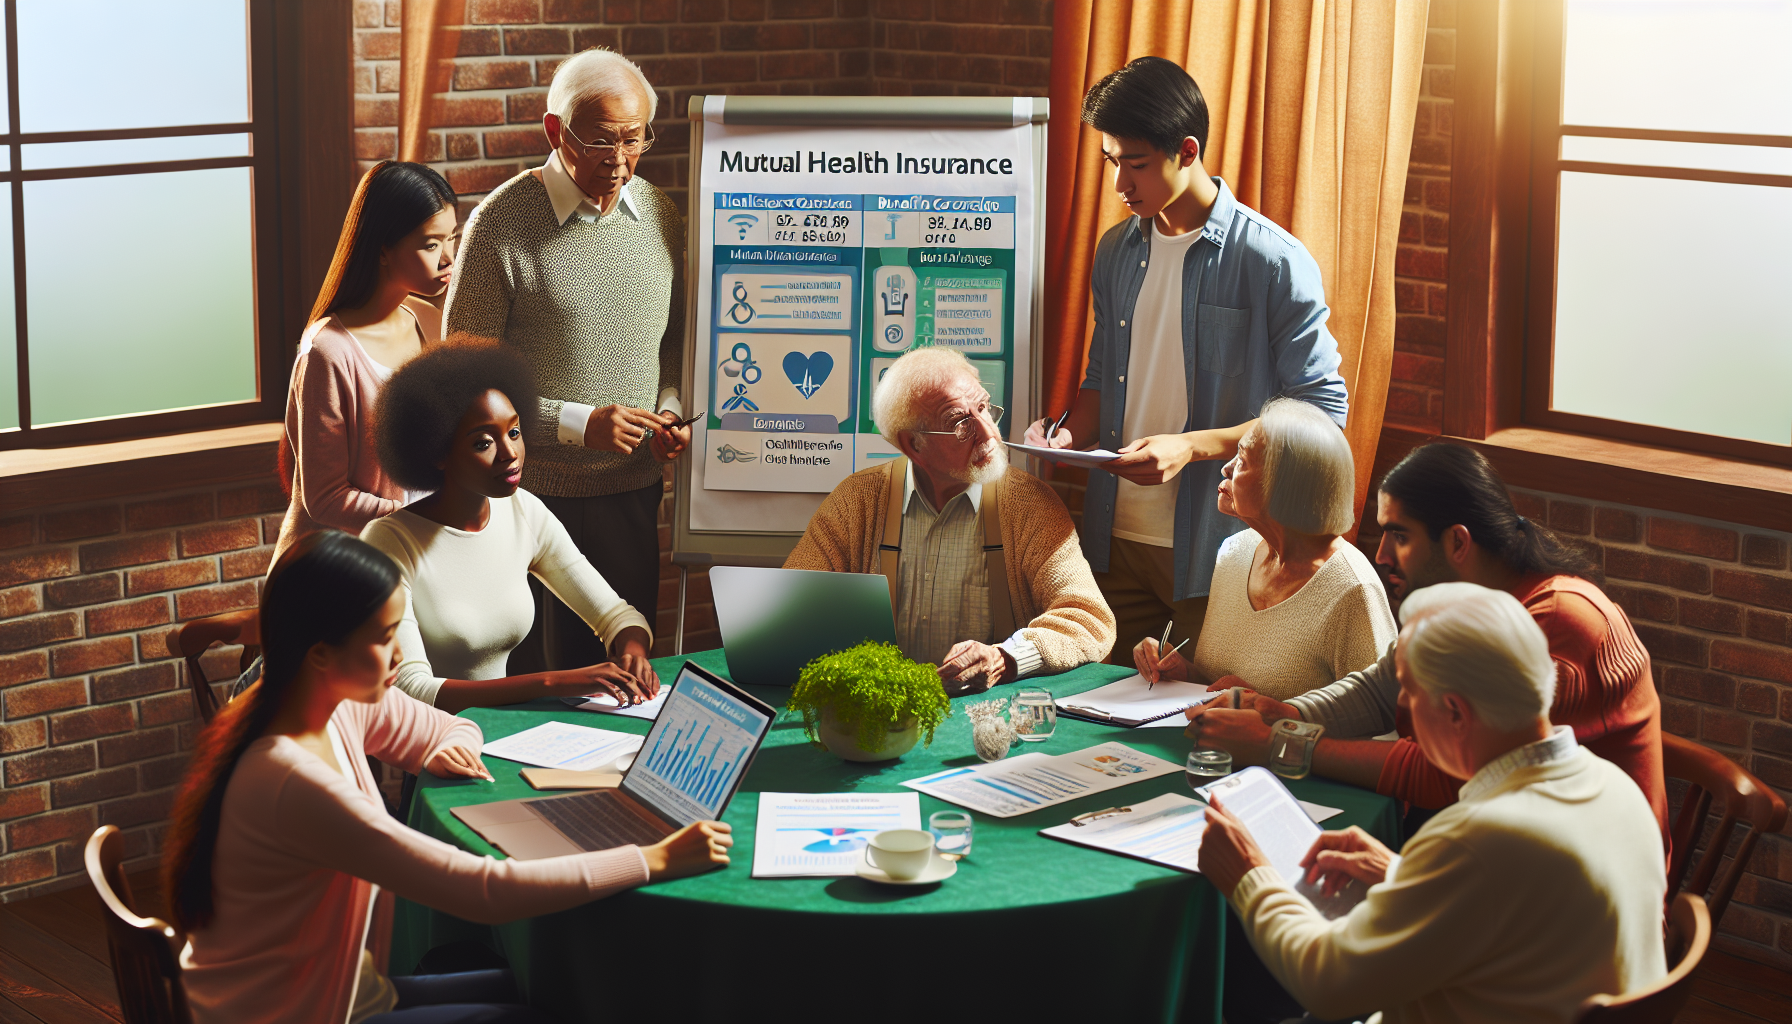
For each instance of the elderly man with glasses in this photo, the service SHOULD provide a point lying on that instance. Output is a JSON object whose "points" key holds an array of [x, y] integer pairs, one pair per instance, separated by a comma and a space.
{"points": [[987, 577], [579, 264]]}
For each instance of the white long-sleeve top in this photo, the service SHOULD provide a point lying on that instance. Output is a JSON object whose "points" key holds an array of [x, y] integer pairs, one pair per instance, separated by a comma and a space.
{"points": [[1542, 886], [467, 594], [303, 848]]}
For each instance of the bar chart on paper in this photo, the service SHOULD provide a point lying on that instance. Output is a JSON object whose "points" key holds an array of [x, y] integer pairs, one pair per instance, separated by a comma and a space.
{"points": [[696, 751]]}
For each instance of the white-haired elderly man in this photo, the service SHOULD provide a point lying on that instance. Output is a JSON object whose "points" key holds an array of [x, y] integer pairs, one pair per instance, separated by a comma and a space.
{"points": [[1292, 604], [987, 577], [1542, 886], [579, 264]]}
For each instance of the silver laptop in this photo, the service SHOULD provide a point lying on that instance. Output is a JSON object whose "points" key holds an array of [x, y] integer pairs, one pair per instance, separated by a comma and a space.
{"points": [[687, 769], [775, 621]]}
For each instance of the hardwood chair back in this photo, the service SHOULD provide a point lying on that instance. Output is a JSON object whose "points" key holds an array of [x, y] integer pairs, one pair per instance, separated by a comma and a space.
{"points": [[1745, 800], [1689, 935], [192, 639], [145, 964]]}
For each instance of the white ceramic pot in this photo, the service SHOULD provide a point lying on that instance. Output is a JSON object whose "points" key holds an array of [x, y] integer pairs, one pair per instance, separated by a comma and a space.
{"points": [[844, 743]]}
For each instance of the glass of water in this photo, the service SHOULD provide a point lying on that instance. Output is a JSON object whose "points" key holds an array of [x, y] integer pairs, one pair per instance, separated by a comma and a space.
{"points": [[1203, 766], [1033, 714], [951, 833]]}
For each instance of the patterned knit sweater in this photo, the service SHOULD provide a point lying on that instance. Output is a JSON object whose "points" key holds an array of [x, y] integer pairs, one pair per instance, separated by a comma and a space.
{"points": [[1053, 591], [596, 306]]}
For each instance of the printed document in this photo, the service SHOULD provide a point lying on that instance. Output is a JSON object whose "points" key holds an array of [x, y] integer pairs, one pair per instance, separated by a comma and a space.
{"points": [[1030, 782], [817, 835], [1168, 830], [1067, 456], [1133, 702], [559, 745], [607, 704]]}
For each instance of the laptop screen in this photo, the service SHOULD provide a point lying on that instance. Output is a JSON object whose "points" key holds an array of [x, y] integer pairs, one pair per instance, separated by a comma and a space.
{"points": [[697, 750]]}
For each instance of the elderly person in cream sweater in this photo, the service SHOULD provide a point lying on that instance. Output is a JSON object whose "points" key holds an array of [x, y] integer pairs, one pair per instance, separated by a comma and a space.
{"points": [[1542, 886], [1292, 602], [986, 576]]}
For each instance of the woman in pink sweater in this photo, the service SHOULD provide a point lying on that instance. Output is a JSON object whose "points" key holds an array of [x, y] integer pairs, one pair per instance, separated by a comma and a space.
{"points": [[397, 244], [280, 843]]}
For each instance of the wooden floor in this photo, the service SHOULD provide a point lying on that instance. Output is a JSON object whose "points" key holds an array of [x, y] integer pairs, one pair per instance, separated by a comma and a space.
{"points": [[54, 967]]}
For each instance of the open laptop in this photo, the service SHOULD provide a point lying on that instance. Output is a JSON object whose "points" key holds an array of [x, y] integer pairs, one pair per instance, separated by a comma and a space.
{"points": [[686, 771], [775, 621]]}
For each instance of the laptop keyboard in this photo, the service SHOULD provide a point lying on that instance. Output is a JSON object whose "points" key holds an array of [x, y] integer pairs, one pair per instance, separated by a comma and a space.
{"points": [[596, 821]]}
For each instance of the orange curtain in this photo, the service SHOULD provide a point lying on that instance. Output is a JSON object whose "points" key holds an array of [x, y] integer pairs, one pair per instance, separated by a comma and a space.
{"points": [[1311, 106], [430, 36]]}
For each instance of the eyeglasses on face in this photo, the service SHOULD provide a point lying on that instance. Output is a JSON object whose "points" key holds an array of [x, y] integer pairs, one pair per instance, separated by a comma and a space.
{"points": [[605, 149], [966, 426]]}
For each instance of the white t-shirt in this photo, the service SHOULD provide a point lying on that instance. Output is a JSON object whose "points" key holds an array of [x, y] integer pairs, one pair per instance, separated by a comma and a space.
{"points": [[1156, 389]]}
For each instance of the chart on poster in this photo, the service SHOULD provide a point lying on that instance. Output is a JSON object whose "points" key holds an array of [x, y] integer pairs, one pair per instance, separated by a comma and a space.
{"points": [[822, 253]]}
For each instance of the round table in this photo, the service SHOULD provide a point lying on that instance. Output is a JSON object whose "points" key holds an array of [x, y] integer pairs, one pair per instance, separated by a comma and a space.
{"points": [[1029, 927]]}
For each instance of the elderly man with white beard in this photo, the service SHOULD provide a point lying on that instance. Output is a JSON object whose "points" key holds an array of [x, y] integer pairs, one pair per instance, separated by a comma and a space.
{"points": [[973, 547]]}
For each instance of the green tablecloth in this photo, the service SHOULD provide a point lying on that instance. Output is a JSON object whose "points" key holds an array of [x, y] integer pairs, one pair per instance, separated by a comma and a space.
{"points": [[1028, 928]]}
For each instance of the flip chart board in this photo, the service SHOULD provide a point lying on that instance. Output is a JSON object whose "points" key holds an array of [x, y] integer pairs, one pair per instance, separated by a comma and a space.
{"points": [[828, 236]]}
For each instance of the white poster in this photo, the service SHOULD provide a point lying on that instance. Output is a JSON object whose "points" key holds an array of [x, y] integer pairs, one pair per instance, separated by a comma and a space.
{"points": [[824, 254]]}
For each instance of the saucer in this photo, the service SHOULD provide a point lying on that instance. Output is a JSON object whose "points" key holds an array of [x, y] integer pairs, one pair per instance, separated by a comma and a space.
{"points": [[938, 870]]}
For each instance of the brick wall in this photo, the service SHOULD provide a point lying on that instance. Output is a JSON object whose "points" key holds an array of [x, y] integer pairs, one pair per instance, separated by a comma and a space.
{"points": [[509, 49], [95, 720], [1415, 392]]}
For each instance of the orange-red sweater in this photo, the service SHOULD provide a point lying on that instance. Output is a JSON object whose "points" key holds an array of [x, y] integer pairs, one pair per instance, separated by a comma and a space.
{"points": [[1604, 690]]}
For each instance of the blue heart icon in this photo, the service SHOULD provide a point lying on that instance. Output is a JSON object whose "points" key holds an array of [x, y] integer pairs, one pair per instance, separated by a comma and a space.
{"points": [[808, 372]]}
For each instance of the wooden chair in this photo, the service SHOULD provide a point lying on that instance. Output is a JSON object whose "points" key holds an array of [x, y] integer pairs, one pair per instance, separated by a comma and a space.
{"points": [[145, 964], [1689, 935], [1745, 799], [192, 639]]}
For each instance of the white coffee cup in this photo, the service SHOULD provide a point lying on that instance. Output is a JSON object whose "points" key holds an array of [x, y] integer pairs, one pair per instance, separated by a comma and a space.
{"points": [[901, 853]]}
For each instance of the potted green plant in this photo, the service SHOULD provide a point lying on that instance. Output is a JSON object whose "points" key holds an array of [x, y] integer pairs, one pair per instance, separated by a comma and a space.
{"points": [[869, 702]]}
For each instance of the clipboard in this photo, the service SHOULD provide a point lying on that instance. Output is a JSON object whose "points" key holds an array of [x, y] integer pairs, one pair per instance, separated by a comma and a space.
{"points": [[1109, 705]]}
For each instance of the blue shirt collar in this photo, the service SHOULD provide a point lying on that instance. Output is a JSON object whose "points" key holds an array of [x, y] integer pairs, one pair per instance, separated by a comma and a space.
{"points": [[1219, 219]]}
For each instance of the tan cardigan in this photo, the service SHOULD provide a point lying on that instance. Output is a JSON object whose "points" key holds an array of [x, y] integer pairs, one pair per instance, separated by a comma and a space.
{"points": [[1050, 583]]}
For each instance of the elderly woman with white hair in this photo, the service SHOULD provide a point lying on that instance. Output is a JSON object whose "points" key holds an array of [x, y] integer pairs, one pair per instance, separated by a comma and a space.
{"points": [[1293, 605], [1541, 887], [579, 264]]}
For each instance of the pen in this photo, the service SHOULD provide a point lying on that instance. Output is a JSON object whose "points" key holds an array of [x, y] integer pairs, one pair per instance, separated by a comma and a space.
{"points": [[686, 423], [1152, 684]]}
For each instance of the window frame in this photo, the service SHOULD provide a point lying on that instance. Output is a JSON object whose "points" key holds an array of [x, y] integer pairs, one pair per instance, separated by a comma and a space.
{"points": [[1546, 167], [273, 262]]}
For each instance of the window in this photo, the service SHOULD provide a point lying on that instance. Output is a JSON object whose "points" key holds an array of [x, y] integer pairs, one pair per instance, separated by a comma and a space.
{"points": [[138, 234], [1661, 224]]}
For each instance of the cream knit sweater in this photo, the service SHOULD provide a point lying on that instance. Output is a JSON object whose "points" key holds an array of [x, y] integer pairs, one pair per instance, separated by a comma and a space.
{"points": [[1512, 905], [1336, 623], [1053, 591]]}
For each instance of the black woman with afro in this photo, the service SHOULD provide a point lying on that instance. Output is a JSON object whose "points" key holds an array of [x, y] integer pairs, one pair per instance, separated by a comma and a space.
{"points": [[452, 421]]}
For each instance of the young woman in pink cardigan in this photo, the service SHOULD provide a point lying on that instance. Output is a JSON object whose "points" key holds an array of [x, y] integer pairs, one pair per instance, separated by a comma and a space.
{"points": [[280, 843], [397, 244]]}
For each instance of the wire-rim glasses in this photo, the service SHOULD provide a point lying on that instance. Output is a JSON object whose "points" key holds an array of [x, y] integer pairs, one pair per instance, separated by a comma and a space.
{"points": [[966, 428], [603, 149]]}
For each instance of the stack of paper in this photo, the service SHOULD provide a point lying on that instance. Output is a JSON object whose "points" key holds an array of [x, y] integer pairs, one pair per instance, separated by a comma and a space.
{"points": [[1133, 702], [558, 745], [1168, 830], [808, 835], [1032, 781], [607, 704]]}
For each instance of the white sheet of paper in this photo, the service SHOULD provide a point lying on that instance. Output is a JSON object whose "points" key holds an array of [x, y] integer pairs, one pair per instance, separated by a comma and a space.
{"points": [[1066, 455], [1320, 812], [606, 704], [1133, 698], [1030, 782], [559, 745], [1167, 830], [819, 835]]}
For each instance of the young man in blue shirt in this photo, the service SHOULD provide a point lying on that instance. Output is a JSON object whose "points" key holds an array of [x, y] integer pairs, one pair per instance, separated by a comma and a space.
{"points": [[1209, 310]]}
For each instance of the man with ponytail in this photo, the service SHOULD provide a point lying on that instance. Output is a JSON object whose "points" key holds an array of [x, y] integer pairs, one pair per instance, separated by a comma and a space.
{"points": [[279, 841], [1445, 516]]}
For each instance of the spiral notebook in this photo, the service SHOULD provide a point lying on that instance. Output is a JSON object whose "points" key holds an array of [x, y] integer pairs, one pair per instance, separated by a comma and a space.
{"points": [[1132, 702]]}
